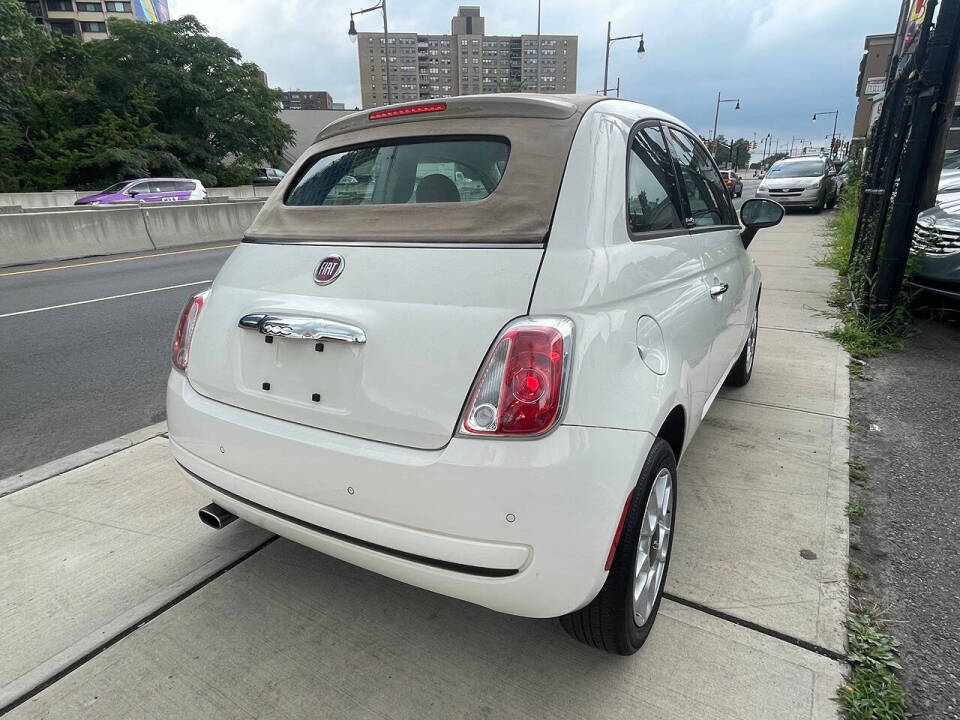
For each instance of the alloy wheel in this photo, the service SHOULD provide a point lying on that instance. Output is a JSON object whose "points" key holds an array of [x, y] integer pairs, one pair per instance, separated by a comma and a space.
{"points": [[752, 341], [653, 547]]}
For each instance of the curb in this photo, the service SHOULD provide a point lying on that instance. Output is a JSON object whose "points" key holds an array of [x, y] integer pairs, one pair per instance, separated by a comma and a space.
{"points": [[25, 479]]}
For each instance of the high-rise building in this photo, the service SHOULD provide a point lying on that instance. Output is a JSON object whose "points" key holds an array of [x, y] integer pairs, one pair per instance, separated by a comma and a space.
{"points": [[465, 62], [307, 100], [87, 20]]}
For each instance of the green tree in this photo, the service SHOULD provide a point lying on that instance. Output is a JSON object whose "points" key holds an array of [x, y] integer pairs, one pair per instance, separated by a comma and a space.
{"points": [[153, 99]]}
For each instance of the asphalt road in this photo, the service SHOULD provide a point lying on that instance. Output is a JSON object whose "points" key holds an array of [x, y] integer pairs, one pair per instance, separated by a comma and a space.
{"points": [[77, 375], [909, 535]]}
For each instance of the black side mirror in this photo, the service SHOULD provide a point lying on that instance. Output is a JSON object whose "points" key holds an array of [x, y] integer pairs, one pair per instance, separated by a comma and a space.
{"points": [[757, 214]]}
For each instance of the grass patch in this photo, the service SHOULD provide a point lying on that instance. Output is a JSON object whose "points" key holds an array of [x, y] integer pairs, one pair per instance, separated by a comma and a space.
{"points": [[858, 473], [865, 337], [855, 511], [862, 337], [843, 226], [872, 691]]}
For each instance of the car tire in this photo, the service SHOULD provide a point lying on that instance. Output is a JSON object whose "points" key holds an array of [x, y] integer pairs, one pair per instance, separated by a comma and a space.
{"points": [[741, 371], [613, 621], [821, 203]]}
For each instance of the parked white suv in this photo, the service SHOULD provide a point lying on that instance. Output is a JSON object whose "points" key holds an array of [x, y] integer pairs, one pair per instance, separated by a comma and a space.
{"points": [[464, 344]]}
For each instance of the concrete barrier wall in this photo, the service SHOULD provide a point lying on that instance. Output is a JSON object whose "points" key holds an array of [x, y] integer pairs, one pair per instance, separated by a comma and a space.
{"points": [[58, 234], [57, 198], [240, 191], [41, 236], [173, 225]]}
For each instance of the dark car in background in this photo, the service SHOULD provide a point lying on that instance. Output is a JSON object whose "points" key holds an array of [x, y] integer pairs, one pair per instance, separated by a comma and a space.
{"points": [[147, 190], [268, 176], [733, 183]]}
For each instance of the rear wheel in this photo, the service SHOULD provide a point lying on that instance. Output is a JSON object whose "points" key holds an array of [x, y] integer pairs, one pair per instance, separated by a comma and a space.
{"points": [[742, 370], [622, 614]]}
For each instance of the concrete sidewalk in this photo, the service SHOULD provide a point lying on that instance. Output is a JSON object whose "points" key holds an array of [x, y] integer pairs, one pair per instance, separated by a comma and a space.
{"points": [[289, 633]]}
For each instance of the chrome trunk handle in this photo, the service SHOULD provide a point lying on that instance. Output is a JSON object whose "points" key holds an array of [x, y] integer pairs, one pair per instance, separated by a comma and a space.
{"points": [[295, 327], [718, 290]]}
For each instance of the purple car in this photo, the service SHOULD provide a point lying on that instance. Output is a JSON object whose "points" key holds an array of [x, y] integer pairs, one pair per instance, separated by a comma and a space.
{"points": [[148, 190]]}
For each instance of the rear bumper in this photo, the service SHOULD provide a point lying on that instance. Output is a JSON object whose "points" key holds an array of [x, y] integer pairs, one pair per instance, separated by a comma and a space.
{"points": [[522, 527]]}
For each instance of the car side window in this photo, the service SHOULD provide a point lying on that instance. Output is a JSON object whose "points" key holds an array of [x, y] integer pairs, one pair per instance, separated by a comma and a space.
{"points": [[706, 195], [652, 198]]}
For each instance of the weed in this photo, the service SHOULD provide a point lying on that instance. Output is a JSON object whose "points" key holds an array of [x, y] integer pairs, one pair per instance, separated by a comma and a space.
{"points": [[858, 575], [865, 337], [858, 473], [872, 692], [853, 425], [855, 511], [843, 226], [857, 369]]}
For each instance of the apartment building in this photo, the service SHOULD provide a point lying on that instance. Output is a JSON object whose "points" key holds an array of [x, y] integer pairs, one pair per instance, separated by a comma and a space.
{"points": [[465, 62], [307, 100], [87, 19]]}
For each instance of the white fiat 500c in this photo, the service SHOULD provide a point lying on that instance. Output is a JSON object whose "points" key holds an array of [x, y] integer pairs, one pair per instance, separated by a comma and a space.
{"points": [[464, 345]]}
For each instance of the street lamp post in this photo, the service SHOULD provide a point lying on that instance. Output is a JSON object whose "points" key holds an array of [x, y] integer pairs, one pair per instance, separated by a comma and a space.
{"points": [[836, 116], [766, 147], [716, 118], [606, 62], [352, 32]]}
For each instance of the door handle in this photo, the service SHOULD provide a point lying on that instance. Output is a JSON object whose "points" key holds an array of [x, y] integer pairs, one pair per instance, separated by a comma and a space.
{"points": [[302, 328], [718, 290]]}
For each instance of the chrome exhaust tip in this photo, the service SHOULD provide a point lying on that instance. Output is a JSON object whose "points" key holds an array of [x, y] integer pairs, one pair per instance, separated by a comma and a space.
{"points": [[216, 517]]}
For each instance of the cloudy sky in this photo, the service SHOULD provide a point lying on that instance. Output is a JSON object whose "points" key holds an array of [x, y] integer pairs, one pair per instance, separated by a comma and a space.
{"points": [[785, 59]]}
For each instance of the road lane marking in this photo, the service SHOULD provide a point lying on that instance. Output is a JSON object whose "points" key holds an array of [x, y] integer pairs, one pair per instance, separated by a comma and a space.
{"points": [[116, 260], [103, 299]]}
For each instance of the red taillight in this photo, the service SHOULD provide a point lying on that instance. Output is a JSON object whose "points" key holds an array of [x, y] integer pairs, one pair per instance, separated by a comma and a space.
{"points": [[407, 110], [185, 327], [520, 388]]}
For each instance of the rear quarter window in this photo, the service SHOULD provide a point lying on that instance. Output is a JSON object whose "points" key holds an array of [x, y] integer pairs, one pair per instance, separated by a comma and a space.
{"points": [[408, 171]]}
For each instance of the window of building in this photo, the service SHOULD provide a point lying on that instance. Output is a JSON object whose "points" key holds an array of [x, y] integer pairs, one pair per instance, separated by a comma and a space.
{"points": [[93, 27], [464, 43], [89, 7], [60, 5], [120, 7]]}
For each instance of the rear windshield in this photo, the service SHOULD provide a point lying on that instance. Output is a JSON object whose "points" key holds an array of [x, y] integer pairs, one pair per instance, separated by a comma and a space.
{"points": [[396, 172], [812, 168]]}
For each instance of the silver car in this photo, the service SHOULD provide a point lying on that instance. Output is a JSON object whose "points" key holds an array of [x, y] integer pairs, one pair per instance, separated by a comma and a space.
{"points": [[801, 182], [936, 239]]}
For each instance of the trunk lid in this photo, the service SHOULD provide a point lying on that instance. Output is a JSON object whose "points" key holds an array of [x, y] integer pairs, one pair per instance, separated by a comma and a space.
{"points": [[428, 316]]}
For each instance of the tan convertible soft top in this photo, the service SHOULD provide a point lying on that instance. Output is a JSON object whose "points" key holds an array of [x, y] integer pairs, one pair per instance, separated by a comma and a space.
{"points": [[540, 130]]}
